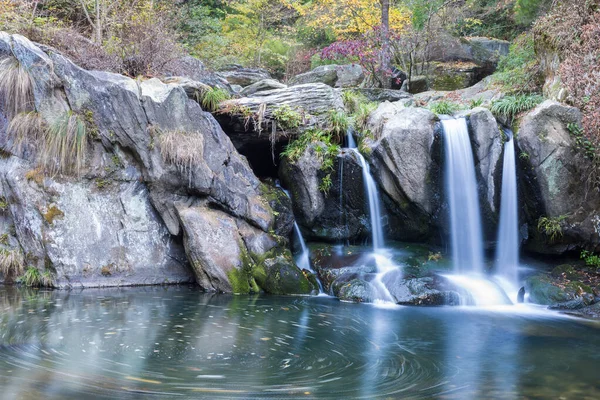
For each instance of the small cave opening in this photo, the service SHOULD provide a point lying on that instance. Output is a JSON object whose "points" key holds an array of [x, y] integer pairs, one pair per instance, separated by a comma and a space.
{"points": [[264, 159]]}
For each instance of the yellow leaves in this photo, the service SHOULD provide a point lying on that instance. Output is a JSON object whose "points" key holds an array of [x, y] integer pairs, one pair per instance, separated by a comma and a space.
{"points": [[349, 18]]}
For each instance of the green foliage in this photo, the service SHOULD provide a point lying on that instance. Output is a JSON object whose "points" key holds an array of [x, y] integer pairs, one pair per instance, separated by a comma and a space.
{"points": [[287, 118], [353, 100], [211, 98], [444, 107], [591, 259], [3, 204], [31, 278], [325, 184], [527, 10], [519, 70], [474, 103], [511, 106], [551, 227], [338, 123], [362, 114], [16, 87], [582, 143]]}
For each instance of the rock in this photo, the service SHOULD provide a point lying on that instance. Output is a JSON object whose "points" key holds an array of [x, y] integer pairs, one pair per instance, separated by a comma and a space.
{"points": [[357, 291], [341, 76], [590, 312], [123, 241], [237, 75], [457, 75], [428, 291], [418, 84], [404, 168], [237, 89], [285, 278], [521, 295], [337, 266], [486, 50], [340, 214], [381, 95], [192, 88], [240, 117], [193, 69], [545, 290], [554, 187], [487, 142], [261, 86]]}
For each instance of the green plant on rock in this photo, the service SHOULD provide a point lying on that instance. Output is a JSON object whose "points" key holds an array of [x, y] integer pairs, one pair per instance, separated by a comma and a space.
{"points": [[362, 114], [353, 100], [4, 204], [511, 106], [474, 103], [443, 107], [551, 227], [582, 143], [591, 259], [16, 87], [65, 143], [338, 123], [12, 262], [4, 239], [524, 156], [31, 278], [210, 99], [325, 184], [287, 118]]}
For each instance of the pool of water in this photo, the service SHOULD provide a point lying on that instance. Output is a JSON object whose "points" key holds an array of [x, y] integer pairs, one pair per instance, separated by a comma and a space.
{"points": [[177, 342]]}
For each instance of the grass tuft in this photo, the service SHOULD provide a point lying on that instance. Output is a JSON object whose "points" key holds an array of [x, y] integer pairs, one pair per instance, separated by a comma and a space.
{"points": [[338, 123], [26, 128], [210, 99], [12, 262], [16, 87], [182, 149], [444, 107], [511, 106], [64, 146]]}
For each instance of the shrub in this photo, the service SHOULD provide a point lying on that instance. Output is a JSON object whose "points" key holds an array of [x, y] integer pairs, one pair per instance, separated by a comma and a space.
{"points": [[286, 118], [444, 107], [31, 277], [211, 98], [185, 150], [591, 259], [16, 87], [511, 106]]}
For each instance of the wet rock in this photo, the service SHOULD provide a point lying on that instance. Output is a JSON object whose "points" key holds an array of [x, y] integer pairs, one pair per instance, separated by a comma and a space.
{"points": [[543, 289], [381, 95], [356, 290], [521, 295], [428, 291], [403, 166], [285, 278]]}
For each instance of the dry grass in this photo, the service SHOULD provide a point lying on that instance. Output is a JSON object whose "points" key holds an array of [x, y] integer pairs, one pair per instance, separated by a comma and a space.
{"points": [[26, 128], [12, 263], [64, 145], [16, 87], [182, 149]]}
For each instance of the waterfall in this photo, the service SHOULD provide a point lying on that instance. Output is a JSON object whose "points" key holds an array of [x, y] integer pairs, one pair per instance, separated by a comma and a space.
{"points": [[507, 252], [303, 259], [465, 221], [461, 185]]}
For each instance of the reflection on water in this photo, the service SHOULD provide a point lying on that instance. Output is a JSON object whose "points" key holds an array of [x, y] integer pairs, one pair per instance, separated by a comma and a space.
{"points": [[176, 342]]}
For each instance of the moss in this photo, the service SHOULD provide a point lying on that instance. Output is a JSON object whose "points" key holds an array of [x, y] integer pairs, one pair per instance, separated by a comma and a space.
{"points": [[3, 204], [106, 270], [238, 280], [35, 175], [52, 213], [578, 288], [565, 270], [102, 183]]}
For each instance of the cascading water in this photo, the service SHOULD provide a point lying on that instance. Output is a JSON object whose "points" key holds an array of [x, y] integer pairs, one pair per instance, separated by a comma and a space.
{"points": [[465, 220], [507, 254], [303, 259], [382, 260]]}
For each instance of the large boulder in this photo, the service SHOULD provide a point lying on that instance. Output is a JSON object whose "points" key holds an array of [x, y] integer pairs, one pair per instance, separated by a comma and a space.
{"points": [[229, 255], [556, 184], [340, 76], [404, 166], [238, 75]]}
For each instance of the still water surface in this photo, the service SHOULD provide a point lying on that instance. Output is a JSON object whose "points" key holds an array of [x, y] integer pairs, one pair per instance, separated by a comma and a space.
{"points": [[177, 342]]}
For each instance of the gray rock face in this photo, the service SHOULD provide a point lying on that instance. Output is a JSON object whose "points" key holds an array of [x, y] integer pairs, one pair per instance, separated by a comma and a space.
{"points": [[340, 76], [261, 86], [341, 213], [237, 75], [381, 95], [311, 101], [135, 190], [403, 166], [427, 291], [486, 50], [557, 185]]}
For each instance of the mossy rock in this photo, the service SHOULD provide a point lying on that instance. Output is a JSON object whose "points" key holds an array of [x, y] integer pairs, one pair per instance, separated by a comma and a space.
{"points": [[284, 277], [543, 290], [564, 270]]}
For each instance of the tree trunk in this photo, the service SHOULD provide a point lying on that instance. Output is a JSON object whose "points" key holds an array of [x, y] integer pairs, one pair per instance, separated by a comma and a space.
{"points": [[385, 68]]}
